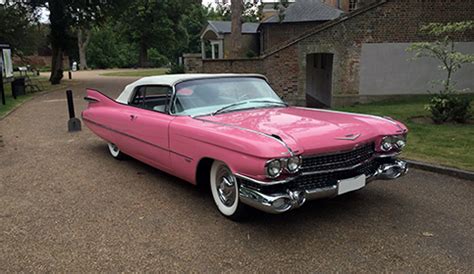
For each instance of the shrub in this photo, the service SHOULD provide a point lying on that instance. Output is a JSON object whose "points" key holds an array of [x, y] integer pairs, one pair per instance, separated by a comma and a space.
{"points": [[108, 49], [449, 107], [157, 59], [176, 69]]}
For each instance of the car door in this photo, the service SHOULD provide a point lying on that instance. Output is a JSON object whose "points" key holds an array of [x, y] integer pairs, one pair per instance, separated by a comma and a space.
{"points": [[149, 125]]}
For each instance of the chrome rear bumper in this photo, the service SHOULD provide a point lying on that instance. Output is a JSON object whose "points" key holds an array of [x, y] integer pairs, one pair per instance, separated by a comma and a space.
{"points": [[282, 202]]}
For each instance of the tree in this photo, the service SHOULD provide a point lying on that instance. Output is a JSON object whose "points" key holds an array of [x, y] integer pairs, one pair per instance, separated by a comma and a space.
{"points": [[17, 27], [251, 12], [446, 105], [237, 7], [158, 25], [83, 38], [63, 15], [109, 47]]}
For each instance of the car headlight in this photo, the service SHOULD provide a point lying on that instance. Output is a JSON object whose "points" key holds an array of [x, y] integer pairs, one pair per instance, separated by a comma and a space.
{"points": [[393, 142], [273, 168], [293, 164]]}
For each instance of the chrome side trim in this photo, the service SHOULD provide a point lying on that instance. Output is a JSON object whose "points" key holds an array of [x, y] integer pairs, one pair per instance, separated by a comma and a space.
{"points": [[90, 99], [391, 155], [270, 183], [249, 130], [133, 137]]}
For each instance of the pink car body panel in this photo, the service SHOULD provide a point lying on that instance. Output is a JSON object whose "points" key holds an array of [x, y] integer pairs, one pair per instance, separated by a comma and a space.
{"points": [[245, 140]]}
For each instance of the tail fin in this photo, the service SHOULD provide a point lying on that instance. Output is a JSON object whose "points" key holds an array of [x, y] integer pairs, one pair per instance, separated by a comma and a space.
{"points": [[96, 97]]}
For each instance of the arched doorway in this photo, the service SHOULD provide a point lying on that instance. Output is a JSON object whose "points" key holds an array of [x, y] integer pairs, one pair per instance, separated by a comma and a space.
{"points": [[319, 79], [212, 44]]}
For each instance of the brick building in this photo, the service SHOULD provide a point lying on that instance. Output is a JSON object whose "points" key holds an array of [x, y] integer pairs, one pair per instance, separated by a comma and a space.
{"points": [[298, 18], [215, 40], [358, 57], [347, 5]]}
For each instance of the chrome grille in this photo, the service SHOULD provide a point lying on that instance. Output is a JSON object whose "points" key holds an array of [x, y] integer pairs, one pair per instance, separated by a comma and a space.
{"points": [[338, 161], [331, 178]]}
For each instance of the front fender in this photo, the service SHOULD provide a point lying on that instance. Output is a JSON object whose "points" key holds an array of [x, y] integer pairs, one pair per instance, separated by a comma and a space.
{"points": [[243, 151]]}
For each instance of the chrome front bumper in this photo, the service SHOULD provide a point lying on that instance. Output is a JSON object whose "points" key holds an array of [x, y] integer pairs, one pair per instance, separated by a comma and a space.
{"points": [[282, 202]]}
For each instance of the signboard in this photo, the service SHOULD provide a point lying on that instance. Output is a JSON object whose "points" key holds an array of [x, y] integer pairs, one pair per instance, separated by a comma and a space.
{"points": [[1, 67], [7, 71]]}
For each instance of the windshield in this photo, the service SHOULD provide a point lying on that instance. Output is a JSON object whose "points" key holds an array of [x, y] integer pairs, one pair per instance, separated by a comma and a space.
{"points": [[219, 95]]}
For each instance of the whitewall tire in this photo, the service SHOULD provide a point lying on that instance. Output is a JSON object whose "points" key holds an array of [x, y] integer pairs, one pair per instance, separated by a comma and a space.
{"points": [[115, 151], [225, 191]]}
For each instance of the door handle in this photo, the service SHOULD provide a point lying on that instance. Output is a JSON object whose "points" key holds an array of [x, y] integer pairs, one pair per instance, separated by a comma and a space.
{"points": [[133, 117]]}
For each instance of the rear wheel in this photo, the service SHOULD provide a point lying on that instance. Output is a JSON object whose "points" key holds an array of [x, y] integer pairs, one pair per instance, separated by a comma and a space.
{"points": [[115, 151], [225, 191]]}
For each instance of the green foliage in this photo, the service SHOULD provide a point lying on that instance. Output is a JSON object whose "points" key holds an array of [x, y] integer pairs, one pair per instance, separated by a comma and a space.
{"points": [[449, 107], [17, 28], [157, 59], [446, 105], [443, 49], [218, 13], [176, 69], [108, 48], [447, 144], [159, 25], [440, 29], [251, 13]]}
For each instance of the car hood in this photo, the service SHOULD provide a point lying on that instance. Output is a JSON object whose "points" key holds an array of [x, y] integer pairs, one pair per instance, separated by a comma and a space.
{"points": [[311, 131]]}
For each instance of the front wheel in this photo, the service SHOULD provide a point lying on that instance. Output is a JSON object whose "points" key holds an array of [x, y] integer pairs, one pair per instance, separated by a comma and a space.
{"points": [[225, 191], [115, 151]]}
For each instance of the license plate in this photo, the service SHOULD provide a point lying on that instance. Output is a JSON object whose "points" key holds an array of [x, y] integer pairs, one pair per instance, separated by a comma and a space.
{"points": [[351, 184]]}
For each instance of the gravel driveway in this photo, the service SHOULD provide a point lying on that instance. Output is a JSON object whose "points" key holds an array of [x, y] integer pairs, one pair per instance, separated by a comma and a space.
{"points": [[66, 205]]}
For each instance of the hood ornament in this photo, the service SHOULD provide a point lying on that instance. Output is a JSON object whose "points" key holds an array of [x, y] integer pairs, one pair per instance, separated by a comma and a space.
{"points": [[349, 137]]}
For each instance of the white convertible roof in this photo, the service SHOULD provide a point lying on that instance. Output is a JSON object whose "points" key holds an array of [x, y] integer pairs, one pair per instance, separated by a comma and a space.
{"points": [[170, 80]]}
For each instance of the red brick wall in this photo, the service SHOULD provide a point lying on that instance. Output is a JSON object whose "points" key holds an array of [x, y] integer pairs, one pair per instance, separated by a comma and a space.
{"points": [[396, 21], [282, 70], [232, 65], [273, 35], [37, 61]]}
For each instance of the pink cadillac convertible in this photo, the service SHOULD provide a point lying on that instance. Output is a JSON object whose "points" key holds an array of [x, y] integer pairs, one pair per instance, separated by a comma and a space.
{"points": [[232, 132]]}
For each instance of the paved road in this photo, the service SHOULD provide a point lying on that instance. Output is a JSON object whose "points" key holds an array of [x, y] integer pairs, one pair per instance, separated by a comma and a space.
{"points": [[65, 205]]}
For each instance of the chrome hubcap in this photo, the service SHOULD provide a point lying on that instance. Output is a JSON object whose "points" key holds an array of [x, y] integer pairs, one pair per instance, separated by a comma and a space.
{"points": [[114, 148], [225, 184]]}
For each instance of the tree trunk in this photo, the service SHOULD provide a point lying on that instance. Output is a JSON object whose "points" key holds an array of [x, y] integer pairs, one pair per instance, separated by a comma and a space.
{"points": [[237, 7], [143, 57], [58, 35], [83, 37], [56, 65]]}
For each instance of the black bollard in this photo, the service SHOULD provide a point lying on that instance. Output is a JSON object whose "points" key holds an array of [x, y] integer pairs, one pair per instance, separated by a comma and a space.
{"points": [[70, 75], [73, 124]]}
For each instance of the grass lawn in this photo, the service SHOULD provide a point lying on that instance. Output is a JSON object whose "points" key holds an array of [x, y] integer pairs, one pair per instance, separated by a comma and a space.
{"points": [[448, 144], [138, 72], [12, 103]]}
